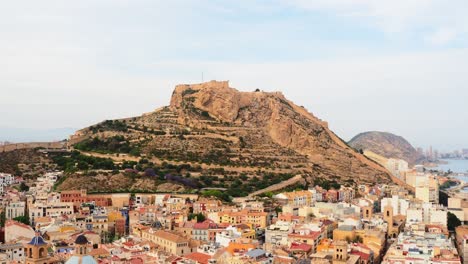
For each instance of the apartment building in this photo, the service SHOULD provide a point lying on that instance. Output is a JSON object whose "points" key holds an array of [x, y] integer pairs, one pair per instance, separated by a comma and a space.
{"points": [[15, 209], [168, 241]]}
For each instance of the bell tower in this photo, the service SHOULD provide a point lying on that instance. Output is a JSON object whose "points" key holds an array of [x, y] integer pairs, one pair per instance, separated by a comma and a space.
{"points": [[81, 251], [367, 212], [341, 252], [388, 217], [81, 245], [36, 251]]}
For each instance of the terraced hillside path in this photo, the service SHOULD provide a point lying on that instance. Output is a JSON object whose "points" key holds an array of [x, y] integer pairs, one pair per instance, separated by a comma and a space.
{"points": [[279, 186], [125, 157]]}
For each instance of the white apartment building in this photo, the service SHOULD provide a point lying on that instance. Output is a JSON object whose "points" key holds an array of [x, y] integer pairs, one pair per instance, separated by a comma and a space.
{"points": [[426, 213], [397, 167], [230, 234], [277, 234], [422, 193], [6, 179], [398, 204], [15, 210], [52, 210], [13, 251]]}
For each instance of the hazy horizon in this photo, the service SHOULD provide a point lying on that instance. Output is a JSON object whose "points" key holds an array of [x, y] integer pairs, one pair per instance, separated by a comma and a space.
{"points": [[394, 66]]}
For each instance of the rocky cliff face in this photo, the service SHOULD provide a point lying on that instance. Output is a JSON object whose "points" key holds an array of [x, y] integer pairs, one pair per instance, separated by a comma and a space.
{"points": [[215, 130], [387, 145], [271, 115]]}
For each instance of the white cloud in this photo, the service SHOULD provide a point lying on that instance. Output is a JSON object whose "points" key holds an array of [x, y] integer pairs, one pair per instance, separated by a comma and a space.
{"points": [[441, 36], [399, 16]]}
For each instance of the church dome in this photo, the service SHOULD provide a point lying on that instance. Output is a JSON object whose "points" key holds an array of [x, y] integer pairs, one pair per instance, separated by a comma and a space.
{"points": [[37, 240], [81, 240]]}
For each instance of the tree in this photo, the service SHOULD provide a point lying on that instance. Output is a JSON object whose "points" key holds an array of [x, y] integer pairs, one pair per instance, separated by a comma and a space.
{"points": [[443, 198], [135, 152], [23, 187], [452, 221], [2, 218], [200, 217], [357, 239], [22, 219]]}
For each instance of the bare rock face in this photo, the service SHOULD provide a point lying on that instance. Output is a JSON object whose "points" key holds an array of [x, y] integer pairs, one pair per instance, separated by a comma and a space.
{"points": [[216, 98], [285, 123], [387, 145], [228, 134]]}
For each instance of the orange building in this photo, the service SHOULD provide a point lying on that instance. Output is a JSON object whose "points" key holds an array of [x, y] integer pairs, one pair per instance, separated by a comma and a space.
{"points": [[78, 197]]}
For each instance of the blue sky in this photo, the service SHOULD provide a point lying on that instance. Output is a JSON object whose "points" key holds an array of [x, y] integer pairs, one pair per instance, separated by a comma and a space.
{"points": [[397, 66]]}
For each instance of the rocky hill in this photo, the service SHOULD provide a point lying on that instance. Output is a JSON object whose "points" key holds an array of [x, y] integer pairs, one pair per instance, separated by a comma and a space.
{"points": [[387, 145], [243, 140]]}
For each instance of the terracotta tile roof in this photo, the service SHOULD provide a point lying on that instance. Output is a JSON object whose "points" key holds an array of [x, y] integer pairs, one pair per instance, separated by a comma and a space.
{"points": [[98, 252], [198, 257], [188, 224], [361, 246], [15, 223], [362, 255], [44, 219], [238, 247], [137, 260], [128, 244], [242, 226], [205, 225], [172, 258], [312, 235], [300, 247], [170, 236], [224, 225]]}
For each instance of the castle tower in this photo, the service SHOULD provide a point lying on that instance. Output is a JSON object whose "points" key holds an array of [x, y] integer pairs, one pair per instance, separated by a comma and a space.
{"points": [[36, 251], [341, 252]]}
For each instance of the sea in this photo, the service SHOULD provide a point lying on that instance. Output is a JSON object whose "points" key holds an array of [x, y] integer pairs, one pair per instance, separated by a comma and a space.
{"points": [[455, 165], [459, 166]]}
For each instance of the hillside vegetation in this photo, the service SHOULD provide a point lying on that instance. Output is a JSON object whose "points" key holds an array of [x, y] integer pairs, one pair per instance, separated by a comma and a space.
{"points": [[220, 137]]}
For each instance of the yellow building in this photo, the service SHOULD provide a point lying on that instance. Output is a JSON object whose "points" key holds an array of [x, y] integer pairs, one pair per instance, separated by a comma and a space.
{"points": [[344, 232], [257, 219], [169, 242], [296, 198], [325, 246], [114, 215]]}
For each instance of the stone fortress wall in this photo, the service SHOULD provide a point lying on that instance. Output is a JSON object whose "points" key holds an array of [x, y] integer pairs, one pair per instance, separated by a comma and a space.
{"points": [[32, 145]]}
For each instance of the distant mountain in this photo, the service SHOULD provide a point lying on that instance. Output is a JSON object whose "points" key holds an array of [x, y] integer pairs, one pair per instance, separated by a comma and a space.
{"points": [[230, 134], [31, 134], [386, 145]]}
